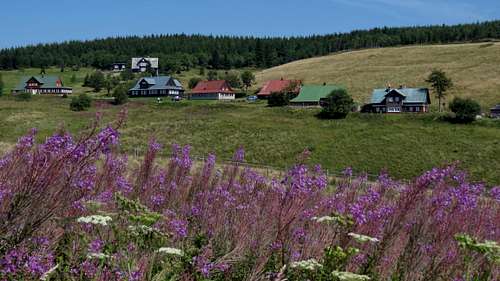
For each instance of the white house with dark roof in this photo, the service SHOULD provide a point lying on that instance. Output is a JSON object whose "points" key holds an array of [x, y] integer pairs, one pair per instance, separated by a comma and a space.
{"points": [[144, 64], [391, 100], [157, 86]]}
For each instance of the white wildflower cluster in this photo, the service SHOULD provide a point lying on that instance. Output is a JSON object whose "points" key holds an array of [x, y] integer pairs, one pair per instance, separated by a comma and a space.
{"points": [[100, 256], [363, 238], [137, 230], [349, 276], [310, 264], [96, 219], [171, 251], [326, 219]]}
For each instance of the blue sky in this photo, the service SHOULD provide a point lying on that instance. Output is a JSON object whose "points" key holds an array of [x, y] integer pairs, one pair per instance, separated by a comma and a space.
{"points": [[34, 21]]}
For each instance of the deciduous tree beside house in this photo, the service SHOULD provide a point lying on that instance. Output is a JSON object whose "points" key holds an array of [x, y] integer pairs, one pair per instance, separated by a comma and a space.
{"points": [[336, 105], [247, 78], [440, 83], [465, 110], [193, 82], [212, 75]]}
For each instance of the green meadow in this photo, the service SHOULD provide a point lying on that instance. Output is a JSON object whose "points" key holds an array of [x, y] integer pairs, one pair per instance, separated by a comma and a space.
{"points": [[405, 145]]}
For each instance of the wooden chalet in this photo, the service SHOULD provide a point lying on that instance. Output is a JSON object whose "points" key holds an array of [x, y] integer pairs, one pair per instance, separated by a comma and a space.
{"points": [[279, 86], [144, 64], [213, 90], [399, 100], [157, 86], [42, 85]]}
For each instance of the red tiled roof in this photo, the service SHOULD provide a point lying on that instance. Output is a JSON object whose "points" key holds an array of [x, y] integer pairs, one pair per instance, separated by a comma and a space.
{"points": [[215, 86], [274, 86]]}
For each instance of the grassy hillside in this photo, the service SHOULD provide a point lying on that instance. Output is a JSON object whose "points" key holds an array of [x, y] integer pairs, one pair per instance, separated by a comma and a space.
{"points": [[12, 78], [405, 145], [475, 69]]}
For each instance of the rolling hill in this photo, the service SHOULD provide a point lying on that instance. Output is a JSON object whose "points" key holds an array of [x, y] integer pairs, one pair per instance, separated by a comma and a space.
{"points": [[474, 68]]}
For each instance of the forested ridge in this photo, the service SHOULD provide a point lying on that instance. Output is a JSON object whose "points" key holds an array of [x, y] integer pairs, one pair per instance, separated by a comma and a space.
{"points": [[182, 52]]}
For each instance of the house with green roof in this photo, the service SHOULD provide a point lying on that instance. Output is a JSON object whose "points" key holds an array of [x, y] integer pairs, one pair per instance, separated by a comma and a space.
{"points": [[399, 100], [310, 95], [42, 85]]}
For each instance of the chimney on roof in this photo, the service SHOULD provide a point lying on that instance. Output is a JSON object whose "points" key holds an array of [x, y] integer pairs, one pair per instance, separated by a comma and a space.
{"points": [[388, 87]]}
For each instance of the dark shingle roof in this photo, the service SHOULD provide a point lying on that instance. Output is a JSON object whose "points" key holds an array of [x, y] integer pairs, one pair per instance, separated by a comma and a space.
{"points": [[159, 83], [412, 95]]}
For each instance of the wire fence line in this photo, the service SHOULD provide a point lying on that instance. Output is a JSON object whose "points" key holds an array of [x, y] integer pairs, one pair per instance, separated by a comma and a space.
{"points": [[268, 169]]}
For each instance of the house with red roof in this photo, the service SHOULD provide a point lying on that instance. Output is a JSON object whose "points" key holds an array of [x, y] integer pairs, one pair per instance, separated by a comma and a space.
{"points": [[213, 90], [279, 86]]}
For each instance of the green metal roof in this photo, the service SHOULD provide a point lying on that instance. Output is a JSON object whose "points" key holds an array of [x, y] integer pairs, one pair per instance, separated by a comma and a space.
{"points": [[412, 95], [313, 93], [47, 82]]}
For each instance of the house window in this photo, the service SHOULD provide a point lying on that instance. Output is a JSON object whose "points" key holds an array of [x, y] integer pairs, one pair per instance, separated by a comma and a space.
{"points": [[411, 108], [394, 109], [396, 99], [390, 99], [417, 109]]}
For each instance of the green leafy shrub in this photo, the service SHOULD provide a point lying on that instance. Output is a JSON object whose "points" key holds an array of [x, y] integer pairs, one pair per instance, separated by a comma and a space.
{"points": [[80, 103], [280, 99], [193, 82], [337, 105], [120, 95], [465, 110]]}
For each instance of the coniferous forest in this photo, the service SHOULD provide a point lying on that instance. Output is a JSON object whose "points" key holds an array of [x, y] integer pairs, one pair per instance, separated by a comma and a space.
{"points": [[181, 52]]}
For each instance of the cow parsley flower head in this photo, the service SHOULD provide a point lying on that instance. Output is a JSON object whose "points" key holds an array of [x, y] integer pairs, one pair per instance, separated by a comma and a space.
{"points": [[349, 276], [95, 219], [99, 256], [171, 251], [325, 219], [310, 264], [363, 238]]}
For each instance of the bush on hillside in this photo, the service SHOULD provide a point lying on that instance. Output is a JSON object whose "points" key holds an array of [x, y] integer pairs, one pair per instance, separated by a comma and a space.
{"points": [[336, 105], [80, 103], [280, 99], [120, 95], [465, 110], [193, 82]]}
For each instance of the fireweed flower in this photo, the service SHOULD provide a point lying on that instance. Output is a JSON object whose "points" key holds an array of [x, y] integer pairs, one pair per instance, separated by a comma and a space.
{"points": [[179, 228], [363, 238], [171, 251], [495, 193], [47, 274], [349, 276], [95, 219], [96, 246], [310, 264]]}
